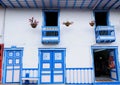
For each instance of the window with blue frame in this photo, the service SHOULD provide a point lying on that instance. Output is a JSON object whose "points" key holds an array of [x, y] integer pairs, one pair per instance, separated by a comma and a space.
{"points": [[50, 29], [103, 30]]}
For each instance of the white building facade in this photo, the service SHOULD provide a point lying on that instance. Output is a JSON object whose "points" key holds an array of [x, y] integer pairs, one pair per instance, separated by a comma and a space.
{"points": [[54, 53]]}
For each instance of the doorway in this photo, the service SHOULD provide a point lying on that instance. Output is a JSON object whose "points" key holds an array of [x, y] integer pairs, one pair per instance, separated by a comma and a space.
{"points": [[105, 64], [52, 66], [12, 65]]}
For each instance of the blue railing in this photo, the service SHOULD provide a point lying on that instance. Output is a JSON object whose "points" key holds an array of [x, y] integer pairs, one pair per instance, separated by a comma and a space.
{"points": [[29, 76], [50, 35], [105, 34], [73, 76], [79, 75], [32, 72]]}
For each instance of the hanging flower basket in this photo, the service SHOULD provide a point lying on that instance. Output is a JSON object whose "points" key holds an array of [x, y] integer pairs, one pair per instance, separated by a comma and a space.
{"points": [[33, 22], [67, 23], [33, 25], [92, 23]]}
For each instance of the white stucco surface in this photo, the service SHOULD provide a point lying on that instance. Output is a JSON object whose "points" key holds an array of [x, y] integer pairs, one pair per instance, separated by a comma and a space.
{"points": [[77, 38]]}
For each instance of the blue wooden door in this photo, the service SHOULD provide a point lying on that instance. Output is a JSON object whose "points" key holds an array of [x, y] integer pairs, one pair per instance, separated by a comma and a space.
{"points": [[13, 59], [52, 67]]}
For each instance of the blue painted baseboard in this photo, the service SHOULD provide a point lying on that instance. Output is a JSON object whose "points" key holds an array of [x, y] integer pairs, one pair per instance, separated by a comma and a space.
{"points": [[106, 83]]}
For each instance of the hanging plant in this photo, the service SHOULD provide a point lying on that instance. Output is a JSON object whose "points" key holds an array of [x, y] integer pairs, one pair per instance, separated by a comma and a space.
{"points": [[92, 23], [67, 23], [33, 22]]}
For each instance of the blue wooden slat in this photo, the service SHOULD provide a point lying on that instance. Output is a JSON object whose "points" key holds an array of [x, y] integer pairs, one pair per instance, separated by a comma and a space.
{"points": [[74, 5], [43, 4], [98, 4], [106, 4], [35, 4], [58, 3], [73, 79], [117, 7], [19, 3], [66, 4], [90, 3], [3, 5], [82, 4], [11, 3], [51, 5], [113, 4], [28, 6]]}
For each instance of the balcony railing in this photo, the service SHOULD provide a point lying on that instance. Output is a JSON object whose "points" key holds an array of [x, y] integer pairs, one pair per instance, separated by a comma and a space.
{"points": [[29, 76], [50, 35], [105, 34], [79, 76]]}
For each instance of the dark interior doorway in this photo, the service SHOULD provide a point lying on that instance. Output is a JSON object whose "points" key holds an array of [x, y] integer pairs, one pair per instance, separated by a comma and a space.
{"points": [[102, 63], [51, 18], [101, 18]]}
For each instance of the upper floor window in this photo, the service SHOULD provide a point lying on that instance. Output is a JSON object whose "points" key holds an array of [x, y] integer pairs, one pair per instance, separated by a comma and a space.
{"points": [[101, 18], [51, 18], [50, 29], [103, 31]]}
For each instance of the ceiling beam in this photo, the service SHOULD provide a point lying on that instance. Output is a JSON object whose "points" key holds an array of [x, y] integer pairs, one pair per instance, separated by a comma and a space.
{"points": [[51, 5], [117, 7], [58, 3], [19, 3], [3, 5], [113, 4], [106, 4], [43, 4], [97, 4], [35, 4], [66, 4], [74, 5], [28, 6], [82, 4], [90, 3], [11, 4]]}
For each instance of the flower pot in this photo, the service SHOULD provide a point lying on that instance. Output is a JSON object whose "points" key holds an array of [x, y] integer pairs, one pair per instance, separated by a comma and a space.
{"points": [[33, 25], [67, 23], [91, 23]]}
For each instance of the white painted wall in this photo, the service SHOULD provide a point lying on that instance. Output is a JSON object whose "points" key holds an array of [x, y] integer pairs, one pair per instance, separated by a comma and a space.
{"points": [[77, 38], [2, 11]]}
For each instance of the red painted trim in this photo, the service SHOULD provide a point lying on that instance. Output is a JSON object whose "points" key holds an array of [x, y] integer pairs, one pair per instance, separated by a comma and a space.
{"points": [[1, 59]]}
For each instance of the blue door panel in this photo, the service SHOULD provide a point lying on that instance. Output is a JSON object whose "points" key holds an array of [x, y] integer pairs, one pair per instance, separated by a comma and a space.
{"points": [[12, 66], [52, 66]]}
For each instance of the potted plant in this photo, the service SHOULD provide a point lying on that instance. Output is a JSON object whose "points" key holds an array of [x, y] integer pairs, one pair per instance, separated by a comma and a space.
{"points": [[67, 23], [92, 23], [33, 22]]}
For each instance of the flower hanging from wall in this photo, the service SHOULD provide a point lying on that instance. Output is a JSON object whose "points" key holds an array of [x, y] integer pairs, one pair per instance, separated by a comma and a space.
{"points": [[33, 22], [67, 23], [92, 23]]}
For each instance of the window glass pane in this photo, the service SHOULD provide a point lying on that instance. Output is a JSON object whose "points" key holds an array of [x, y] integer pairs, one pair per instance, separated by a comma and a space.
{"points": [[10, 53], [58, 65], [46, 65], [58, 78], [10, 61], [17, 61], [45, 78], [46, 56], [58, 56], [17, 53]]}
